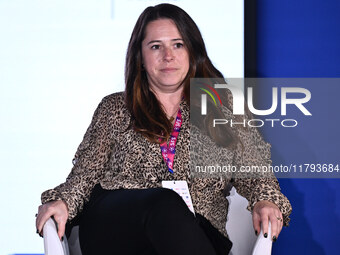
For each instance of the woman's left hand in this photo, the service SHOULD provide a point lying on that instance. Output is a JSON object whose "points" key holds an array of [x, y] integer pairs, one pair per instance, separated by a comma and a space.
{"points": [[263, 212]]}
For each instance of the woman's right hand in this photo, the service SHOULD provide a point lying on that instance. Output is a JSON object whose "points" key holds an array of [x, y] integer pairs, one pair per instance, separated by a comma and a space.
{"points": [[57, 209]]}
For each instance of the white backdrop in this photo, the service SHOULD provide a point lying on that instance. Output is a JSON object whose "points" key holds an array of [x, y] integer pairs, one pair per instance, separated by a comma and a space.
{"points": [[58, 58]]}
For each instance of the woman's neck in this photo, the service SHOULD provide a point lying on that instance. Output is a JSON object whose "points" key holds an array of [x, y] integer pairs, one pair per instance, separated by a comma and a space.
{"points": [[170, 101]]}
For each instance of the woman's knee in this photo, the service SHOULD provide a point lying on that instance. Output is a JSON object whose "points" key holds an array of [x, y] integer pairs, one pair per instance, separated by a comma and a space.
{"points": [[165, 202], [158, 196]]}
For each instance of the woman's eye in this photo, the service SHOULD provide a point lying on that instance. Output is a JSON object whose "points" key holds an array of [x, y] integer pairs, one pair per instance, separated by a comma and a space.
{"points": [[179, 45], [155, 47]]}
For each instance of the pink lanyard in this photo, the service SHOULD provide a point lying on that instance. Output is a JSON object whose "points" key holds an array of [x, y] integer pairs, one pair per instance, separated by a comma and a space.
{"points": [[168, 151]]}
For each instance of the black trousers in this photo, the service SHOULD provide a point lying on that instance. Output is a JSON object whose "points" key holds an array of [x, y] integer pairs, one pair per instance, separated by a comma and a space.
{"points": [[140, 221]]}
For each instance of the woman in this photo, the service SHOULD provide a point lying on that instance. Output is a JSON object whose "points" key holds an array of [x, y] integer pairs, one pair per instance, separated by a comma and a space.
{"points": [[118, 168]]}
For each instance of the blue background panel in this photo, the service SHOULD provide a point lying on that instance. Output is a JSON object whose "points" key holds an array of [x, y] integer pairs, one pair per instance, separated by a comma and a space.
{"points": [[302, 39]]}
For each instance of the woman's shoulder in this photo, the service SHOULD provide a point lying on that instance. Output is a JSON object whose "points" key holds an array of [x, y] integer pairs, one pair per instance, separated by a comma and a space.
{"points": [[113, 103], [116, 99], [112, 109]]}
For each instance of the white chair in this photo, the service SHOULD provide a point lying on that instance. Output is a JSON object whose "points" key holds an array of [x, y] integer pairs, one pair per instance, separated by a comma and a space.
{"points": [[240, 229], [52, 243], [239, 226]]}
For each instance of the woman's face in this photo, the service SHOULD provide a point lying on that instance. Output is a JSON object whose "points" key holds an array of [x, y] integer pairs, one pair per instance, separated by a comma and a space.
{"points": [[165, 57]]}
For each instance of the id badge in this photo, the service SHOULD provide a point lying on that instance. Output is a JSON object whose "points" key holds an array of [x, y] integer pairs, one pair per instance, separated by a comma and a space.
{"points": [[181, 188]]}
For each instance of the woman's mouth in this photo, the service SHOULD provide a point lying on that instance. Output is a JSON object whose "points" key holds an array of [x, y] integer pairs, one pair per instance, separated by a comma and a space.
{"points": [[168, 70]]}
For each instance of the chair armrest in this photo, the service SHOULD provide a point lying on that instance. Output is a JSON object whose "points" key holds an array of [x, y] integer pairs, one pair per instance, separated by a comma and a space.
{"points": [[52, 243], [240, 228], [263, 246]]}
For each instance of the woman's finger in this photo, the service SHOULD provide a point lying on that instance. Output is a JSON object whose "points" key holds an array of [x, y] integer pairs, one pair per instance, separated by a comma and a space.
{"points": [[256, 223], [280, 223], [43, 215], [61, 223], [264, 223], [274, 226]]}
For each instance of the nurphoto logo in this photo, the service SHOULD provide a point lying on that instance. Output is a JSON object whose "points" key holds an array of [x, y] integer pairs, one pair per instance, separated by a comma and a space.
{"points": [[296, 96]]}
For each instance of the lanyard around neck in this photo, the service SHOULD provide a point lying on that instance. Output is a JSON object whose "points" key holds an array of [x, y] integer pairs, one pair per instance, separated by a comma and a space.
{"points": [[168, 151]]}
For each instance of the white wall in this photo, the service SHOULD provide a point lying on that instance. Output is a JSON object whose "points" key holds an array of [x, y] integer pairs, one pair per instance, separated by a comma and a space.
{"points": [[58, 58]]}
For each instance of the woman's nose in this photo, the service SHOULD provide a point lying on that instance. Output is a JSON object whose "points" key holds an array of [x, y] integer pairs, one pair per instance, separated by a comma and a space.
{"points": [[168, 54]]}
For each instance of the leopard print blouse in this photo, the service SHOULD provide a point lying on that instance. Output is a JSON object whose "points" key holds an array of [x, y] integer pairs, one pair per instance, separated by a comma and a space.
{"points": [[116, 156]]}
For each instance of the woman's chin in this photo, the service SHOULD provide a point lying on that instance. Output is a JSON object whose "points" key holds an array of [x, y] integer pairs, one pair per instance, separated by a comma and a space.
{"points": [[171, 82]]}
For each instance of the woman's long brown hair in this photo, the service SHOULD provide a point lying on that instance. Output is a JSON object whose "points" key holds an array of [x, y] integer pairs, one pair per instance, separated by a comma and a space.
{"points": [[147, 114]]}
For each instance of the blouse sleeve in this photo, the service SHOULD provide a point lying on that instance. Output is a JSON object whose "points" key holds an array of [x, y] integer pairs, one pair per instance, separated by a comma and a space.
{"points": [[252, 150], [89, 164]]}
